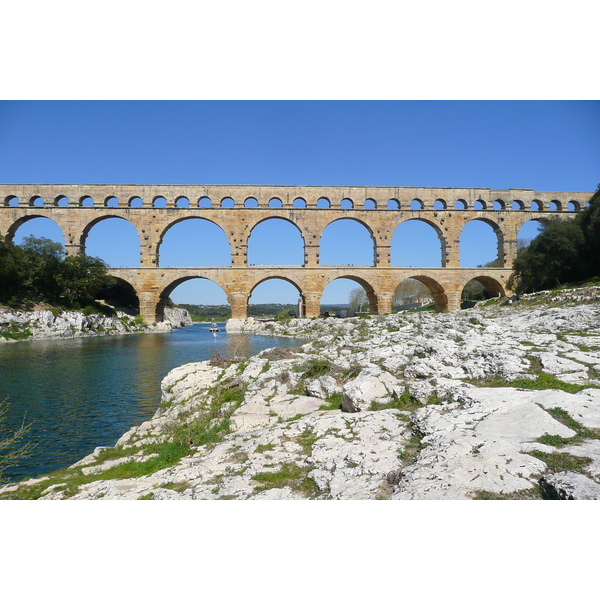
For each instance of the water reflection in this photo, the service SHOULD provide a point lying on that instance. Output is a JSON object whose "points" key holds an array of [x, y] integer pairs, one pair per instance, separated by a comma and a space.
{"points": [[82, 393]]}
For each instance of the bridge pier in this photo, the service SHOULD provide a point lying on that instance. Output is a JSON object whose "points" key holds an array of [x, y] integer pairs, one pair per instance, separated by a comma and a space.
{"points": [[148, 306], [312, 304], [384, 303], [239, 305], [453, 301]]}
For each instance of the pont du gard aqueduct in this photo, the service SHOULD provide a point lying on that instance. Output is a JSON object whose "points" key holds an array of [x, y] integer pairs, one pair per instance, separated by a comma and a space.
{"points": [[238, 209]]}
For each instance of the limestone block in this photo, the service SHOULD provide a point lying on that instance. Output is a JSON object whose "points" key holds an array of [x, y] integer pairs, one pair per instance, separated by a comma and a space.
{"points": [[569, 485]]}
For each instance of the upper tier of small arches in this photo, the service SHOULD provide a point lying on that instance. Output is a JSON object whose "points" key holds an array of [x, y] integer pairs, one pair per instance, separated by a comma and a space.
{"points": [[298, 203], [171, 197]]}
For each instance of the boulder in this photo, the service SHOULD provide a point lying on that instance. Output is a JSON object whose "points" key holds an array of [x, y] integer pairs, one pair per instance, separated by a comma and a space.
{"points": [[371, 385], [569, 485]]}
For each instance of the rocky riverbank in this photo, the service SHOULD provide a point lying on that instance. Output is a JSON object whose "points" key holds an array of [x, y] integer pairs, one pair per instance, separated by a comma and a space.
{"points": [[498, 401], [34, 325]]}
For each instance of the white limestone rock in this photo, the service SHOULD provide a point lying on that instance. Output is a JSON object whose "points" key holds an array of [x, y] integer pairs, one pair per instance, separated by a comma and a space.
{"points": [[323, 387], [568, 485], [371, 385]]}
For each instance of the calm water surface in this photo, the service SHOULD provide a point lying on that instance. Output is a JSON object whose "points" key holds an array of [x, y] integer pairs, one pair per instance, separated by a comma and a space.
{"points": [[81, 393]]}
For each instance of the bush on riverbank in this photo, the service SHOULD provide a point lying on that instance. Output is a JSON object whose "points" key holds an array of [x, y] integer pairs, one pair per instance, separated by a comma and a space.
{"points": [[38, 272]]}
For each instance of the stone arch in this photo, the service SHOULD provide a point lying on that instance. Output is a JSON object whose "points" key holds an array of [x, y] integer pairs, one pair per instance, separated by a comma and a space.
{"points": [[86, 201], [205, 202], [479, 205], [461, 204], [220, 245], [111, 202], [36, 201], [369, 204], [135, 202], [299, 203], [251, 202], [573, 206], [275, 203], [83, 240], [416, 204], [555, 206], [393, 204], [287, 246], [285, 278], [369, 289], [159, 202], [354, 250], [14, 227], [498, 204], [490, 287], [517, 205], [11, 200], [436, 289], [414, 292], [182, 202], [166, 292], [347, 204], [61, 200], [122, 294], [427, 260], [527, 231], [323, 202], [440, 204], [536, 205], [227, 202], [499, 254]]}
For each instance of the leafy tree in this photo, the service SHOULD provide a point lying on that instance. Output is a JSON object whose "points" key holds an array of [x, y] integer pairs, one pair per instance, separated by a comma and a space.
{"points": [[589, 221], [82, 277], [13, 271], [44, 258], [552, 258]]}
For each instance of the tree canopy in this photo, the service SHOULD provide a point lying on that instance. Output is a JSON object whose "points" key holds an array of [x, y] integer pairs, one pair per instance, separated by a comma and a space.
{"points": [[563, 252], [38, 271]]}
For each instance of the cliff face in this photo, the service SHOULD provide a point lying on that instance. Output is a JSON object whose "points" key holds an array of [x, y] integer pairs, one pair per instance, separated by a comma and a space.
{"points": [[495, 401], [47, 324]]}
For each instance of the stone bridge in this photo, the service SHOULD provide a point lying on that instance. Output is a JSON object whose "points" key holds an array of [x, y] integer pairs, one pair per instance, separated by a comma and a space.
{"points": [[237, 210]]}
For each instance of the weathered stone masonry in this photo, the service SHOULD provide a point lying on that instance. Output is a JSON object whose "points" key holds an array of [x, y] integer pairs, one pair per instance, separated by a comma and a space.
{"points": [[238, 209]]}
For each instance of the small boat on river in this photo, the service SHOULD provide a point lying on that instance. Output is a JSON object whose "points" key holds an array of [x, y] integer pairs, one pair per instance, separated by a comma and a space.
{"points": [[214, 328]]}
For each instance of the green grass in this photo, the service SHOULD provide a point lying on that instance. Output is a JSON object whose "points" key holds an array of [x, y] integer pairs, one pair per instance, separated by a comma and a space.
{"points": [[526, 494], [289, 475], [406, 402], [582, 433], [264, 448], [561, 461], [333, 402], [543, 381], [315, 367]]}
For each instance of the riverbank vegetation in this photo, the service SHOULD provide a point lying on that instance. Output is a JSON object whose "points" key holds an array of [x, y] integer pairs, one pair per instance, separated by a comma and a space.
{"points": [[38, 272], [565, 252]]}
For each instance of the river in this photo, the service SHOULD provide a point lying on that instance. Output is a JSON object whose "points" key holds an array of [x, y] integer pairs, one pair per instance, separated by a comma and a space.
{"points": [[81, 393]]}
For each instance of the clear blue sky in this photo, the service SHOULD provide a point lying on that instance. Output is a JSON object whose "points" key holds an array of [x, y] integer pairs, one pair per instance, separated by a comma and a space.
{"points": [[544, 145]]}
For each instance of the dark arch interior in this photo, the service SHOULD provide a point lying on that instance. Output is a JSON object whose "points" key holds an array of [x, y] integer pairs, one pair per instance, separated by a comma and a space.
{"points": [[121, 295], [480, 288]]}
